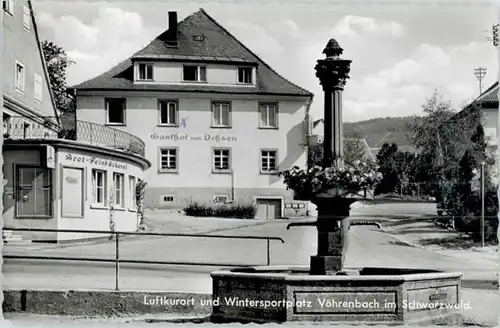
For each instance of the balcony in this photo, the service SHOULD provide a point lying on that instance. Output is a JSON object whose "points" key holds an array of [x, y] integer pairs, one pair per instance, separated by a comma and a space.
{"points": [[81, 131]]}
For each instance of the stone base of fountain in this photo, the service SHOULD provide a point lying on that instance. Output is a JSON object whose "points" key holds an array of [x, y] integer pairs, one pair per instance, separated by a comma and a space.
{"points": [[363, 296]]}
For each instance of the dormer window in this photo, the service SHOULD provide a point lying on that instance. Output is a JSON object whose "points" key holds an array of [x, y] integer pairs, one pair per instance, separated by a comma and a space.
{"points": [[245, 75], [194, 73], [146, 72]]}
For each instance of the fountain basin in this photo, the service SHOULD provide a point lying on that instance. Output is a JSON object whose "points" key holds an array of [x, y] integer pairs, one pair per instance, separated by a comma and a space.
{"points": [[364, 296]]}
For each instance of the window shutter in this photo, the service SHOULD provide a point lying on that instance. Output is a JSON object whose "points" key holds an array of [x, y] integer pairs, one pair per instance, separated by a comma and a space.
{"points": [[26, 17], [38, 87]]}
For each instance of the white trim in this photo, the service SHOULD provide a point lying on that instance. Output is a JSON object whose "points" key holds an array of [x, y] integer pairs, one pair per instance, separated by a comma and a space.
{"points": [[18, 63], [221, 196], [37, 84], [238, 75], [132, 193], [280, 198], [104, 188], [138, 77], [121, 177], [26, 18], [84, 183], [198, 73], [163, 202], [8, 7], [168, 102]]}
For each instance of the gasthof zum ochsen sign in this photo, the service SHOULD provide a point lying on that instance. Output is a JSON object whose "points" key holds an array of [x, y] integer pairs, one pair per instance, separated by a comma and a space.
{"points": [[195, 137]]}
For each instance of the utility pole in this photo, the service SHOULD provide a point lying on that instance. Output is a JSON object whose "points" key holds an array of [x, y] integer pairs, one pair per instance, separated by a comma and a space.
{"points": [[496, 39], [482, 203], [480, 72]]}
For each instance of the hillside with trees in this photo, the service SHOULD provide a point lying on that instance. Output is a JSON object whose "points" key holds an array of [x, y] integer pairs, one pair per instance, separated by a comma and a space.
{"points": [[378, 131]]}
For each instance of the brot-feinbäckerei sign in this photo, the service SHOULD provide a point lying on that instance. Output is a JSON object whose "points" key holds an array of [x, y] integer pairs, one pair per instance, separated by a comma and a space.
{"points": [[192, 137], [95, 161]]}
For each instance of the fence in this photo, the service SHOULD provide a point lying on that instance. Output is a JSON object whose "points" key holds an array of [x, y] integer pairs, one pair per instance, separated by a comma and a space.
{"points": [[117, 260], [17, 127]]}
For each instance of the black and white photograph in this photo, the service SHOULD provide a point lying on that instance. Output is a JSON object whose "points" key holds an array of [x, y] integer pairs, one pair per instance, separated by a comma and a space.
{"points": [[180, 163]]}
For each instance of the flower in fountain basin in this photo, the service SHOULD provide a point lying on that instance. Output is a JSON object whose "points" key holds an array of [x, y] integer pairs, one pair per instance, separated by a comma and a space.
{"points": [[314, 180]]}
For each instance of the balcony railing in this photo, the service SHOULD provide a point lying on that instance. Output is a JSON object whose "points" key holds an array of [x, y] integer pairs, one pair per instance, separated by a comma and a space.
{"points": [[81, 131]]}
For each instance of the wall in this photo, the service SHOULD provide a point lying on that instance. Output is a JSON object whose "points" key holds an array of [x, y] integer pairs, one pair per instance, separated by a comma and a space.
{"points": [[1, 161], [490, 125], [195, 180], [12, 157], [22, 45], [172, 72], [95, 217]]}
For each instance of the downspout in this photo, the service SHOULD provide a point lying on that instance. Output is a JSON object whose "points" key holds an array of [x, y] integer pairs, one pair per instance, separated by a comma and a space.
{"points": [[308, 133], [308, 122]]}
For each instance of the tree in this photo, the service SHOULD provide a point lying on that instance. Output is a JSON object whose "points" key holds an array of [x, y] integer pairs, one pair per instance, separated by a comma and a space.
{"points": [[442, 137], [57, 64], [355, 148], [386, 160]]}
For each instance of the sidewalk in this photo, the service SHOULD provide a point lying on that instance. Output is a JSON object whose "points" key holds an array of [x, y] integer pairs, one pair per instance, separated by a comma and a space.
{"points": [[422, 232]]}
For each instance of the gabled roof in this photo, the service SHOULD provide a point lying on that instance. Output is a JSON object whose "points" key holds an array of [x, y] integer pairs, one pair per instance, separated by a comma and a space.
{"points": [[487, 99], [218, 44], [488, 96]]}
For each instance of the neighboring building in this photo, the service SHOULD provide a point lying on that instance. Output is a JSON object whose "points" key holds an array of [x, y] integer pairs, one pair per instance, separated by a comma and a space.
{"points": [[316, 137], [51, 182], [487, 107], [27, 97], [219, 122]]}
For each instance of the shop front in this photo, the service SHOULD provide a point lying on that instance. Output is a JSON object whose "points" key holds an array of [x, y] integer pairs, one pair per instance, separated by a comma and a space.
{"points": [[67, 185]]}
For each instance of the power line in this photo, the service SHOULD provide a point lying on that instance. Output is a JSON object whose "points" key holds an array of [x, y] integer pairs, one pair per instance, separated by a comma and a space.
{"points": [[480, 72]]}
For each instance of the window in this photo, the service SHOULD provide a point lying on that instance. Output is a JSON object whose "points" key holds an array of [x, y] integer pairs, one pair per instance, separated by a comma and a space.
{"points": [[168, 112], [194, 73], [268, 161], [8, 6], [221, 114], [166, 199], [99, 187], [34, 192], [132, 192], [245, 75], [268, 115], [221, 160], [118, 181], [26, 130], [115, 109], [168, 160], [146, 72], [20, 76], [7, 124], [37, 87], [26, 18], [220, 199]]}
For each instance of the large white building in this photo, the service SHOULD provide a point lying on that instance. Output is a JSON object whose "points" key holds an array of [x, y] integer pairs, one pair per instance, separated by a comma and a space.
{"points": [[219, 123]]}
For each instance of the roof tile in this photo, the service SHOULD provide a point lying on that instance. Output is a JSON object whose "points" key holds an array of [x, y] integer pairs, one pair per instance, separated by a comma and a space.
{"points": [[217, 43]]}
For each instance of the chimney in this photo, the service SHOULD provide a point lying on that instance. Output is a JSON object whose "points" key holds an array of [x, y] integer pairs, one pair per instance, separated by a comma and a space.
{"points": [[172, 29]]}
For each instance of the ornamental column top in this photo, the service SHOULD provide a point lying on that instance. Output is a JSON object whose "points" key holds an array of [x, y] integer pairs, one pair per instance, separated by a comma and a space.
{"points": [[333, 71], [333, 49]]}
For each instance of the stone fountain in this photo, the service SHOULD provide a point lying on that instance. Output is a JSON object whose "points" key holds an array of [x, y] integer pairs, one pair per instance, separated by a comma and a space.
{"points": [[326, 291]]}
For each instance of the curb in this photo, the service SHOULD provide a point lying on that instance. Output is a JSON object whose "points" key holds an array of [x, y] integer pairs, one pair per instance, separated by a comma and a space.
{"points": [[105, 303], [105, 240], [151, 306]]}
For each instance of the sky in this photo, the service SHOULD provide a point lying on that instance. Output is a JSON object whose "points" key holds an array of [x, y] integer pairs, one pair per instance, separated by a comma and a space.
{"points": [[401, 53]]}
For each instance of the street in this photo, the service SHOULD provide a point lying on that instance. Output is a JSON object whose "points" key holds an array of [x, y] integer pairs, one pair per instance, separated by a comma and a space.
{"points": [[368, 247]]}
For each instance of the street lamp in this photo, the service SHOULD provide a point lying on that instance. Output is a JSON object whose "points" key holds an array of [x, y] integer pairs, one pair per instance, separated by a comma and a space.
{"points": [[482, 203]]}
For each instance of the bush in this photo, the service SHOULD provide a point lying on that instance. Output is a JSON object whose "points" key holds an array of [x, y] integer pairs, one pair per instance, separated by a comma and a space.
{"points": [[226, 210], [466, 214]]}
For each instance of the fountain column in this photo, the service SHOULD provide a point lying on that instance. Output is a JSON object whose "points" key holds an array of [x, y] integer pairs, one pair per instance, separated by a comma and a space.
{"points": [[333, 209]]}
